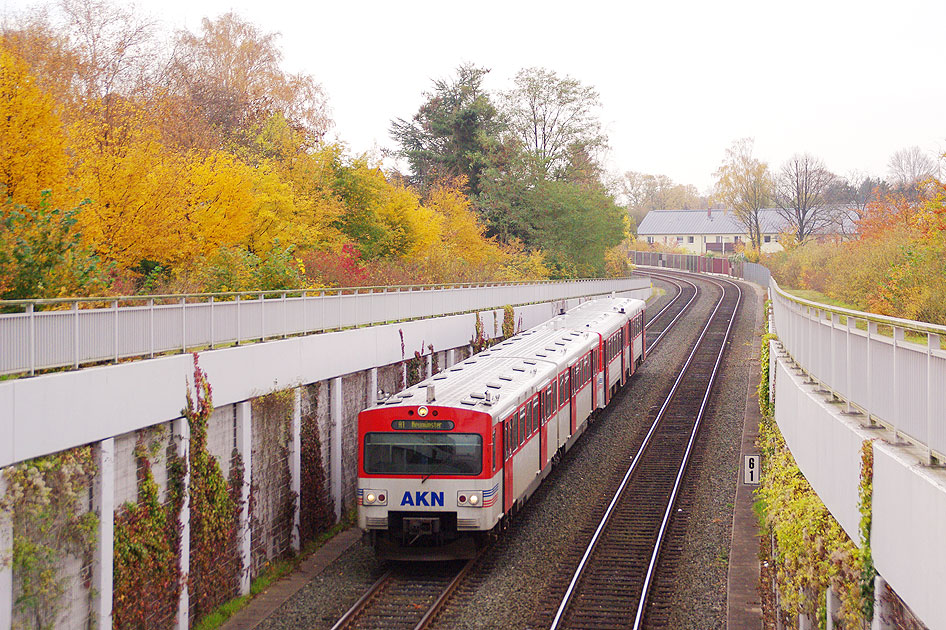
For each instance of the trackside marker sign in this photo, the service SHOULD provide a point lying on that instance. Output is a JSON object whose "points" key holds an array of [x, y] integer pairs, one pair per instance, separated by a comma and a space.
{"points": [[751, 470]]}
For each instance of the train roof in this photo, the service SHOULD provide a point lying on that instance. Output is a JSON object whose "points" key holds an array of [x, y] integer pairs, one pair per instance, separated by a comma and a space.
{"points": [[508, 372]]}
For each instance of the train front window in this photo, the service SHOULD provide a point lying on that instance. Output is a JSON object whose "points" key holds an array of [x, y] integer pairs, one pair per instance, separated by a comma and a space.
{"points": [[423, 453]]}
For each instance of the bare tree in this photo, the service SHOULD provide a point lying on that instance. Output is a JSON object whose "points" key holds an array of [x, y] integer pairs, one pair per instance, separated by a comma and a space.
{"points": [[908, 167], [554, 118], [116, 46], [745, 185], [802, 191]]}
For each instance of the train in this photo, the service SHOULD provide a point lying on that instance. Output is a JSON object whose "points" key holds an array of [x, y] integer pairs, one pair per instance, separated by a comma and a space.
{"points": [[444, 464]]}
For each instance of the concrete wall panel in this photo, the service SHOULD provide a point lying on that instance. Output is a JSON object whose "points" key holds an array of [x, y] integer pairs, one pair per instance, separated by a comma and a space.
{"points": [[908, 538], [825, 445]]}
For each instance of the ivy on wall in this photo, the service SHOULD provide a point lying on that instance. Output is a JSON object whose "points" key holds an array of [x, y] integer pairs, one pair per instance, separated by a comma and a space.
{"points": [[271, 529], [810, 549], [147, 573], [215, 505], [48, 500], [865, 498], [509, 322], [316, 509]]}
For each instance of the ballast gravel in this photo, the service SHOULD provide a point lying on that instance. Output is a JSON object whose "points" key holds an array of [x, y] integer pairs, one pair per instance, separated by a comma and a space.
{"points": [[517, 567]]}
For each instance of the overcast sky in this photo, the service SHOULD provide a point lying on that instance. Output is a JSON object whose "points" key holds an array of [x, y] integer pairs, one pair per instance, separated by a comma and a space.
{"points": [[850, 82]]}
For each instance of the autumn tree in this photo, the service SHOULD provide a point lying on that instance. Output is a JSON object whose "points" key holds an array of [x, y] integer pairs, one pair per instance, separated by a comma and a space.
{"points": [[33, 142], [551, 116], [48, 54], [745, 186], [230, 74], [42, 255], [802, 189], [453, 134]]}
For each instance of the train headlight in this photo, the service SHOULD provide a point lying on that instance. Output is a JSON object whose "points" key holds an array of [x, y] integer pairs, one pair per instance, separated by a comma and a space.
{"points": [[471, 498], [375, 497]]}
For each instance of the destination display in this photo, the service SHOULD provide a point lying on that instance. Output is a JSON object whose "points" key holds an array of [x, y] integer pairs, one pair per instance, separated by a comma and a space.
{"points": [[422, 425]]}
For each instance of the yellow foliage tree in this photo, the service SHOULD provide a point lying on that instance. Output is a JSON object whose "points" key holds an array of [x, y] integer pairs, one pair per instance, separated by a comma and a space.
{"points": [[134, 184], [32, 140]]}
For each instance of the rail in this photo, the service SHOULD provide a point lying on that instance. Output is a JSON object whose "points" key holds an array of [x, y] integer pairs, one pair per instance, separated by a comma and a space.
{"points": [[71, 332], [891, 370]]}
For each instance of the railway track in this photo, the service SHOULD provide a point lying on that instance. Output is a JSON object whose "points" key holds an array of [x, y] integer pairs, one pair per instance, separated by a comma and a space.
{"points": [[611, 584], [414, 596], [406, 596]]}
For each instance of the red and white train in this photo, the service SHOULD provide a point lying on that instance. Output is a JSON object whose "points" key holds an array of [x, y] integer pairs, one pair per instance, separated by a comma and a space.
{"points": [[442, 463]]}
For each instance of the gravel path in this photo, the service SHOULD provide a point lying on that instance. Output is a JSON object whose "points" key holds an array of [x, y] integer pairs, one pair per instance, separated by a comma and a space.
{"points": [[514, 573]]}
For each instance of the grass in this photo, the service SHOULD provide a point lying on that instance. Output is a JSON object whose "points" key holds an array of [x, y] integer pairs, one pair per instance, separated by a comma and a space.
{"points": [[817, 296], [277, 570], [886, 331]]}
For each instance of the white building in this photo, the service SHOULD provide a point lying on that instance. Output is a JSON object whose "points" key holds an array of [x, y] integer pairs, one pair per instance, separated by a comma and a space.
{"points": [[701, 231]]}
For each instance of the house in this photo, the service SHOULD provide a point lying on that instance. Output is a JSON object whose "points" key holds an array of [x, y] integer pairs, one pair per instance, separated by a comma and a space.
{"points": [[701, 231]]}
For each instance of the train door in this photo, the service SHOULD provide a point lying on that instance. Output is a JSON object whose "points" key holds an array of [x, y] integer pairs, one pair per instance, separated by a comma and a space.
{"points": [[572, 404], [544, 414], [509, 441], [623, 350]]}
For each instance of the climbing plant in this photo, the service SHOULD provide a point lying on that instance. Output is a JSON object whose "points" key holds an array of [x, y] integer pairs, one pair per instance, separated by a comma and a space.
{"points": [[865, 497], [811, 551], [765, 403], [509, 322], [272, 500], [215, 505], [316, 510], [48, 500], [147, 573], [479, 341]]}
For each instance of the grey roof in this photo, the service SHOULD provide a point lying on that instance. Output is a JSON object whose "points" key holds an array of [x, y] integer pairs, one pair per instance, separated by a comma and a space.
{"points": [[682, 222]]}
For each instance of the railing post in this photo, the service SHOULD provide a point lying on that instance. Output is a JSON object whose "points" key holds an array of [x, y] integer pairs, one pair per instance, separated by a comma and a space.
{"points": [[849, 394], [151, 321], [184, 325], [32, 315], [244, 445], [212, 329], [932, 341], [897, 336], [357, 310], [871, 332], [262, 318], [103, 564], [285, 316], [6, 560], [115, 329], [75, 335], [239, 336]]}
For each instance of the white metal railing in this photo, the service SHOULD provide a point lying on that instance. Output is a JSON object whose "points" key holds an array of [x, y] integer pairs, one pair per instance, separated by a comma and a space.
{"points": [[892, 370], [71, 332]]}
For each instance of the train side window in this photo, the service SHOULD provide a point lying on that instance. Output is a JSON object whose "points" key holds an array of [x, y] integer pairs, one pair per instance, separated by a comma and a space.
{"points": [[553, 398], [535, 415], [523, 415]]}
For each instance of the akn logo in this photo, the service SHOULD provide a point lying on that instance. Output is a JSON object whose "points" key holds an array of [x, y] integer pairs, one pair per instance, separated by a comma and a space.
{"points": [[420, 498]]}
